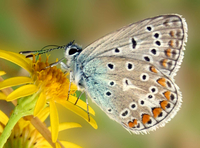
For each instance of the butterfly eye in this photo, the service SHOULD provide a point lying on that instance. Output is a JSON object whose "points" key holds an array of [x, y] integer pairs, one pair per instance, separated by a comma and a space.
{"points": [[72, 51]]}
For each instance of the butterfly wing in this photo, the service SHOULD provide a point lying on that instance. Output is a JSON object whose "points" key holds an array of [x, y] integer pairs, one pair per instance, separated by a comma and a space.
{"points": [[129, 73], [159, 40], [131, 94]]}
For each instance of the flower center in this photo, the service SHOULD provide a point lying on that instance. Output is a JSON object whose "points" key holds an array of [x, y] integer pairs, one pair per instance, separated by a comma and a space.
{"points": [[50, 80]]}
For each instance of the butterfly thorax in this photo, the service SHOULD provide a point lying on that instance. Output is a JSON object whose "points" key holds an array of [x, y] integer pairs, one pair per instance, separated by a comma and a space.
{"points": [[71, 54]]}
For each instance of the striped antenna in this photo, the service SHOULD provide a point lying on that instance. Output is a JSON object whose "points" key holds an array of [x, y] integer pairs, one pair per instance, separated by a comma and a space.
{"points": [[43, 50]]}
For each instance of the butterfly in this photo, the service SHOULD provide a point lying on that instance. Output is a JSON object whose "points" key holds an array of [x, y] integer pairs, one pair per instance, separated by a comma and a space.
{"points": [[130, 73]]}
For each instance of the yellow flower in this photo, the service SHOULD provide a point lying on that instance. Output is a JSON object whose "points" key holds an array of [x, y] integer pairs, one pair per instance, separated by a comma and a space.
{"points": [[45, 85], [26, 136]]}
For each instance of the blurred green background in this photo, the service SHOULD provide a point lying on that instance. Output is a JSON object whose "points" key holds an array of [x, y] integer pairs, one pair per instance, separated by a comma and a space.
{"points": [[32, 24]]}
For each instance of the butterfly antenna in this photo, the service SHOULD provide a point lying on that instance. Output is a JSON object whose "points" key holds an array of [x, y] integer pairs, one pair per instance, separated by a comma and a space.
{"points": [[43, 50]]}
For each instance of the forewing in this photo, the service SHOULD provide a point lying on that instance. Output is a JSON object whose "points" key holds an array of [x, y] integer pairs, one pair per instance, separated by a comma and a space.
{"points": [[159, 41]]}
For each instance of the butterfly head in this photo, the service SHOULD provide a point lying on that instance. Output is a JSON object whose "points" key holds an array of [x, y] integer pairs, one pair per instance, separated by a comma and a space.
{"points": [[72, 51]]}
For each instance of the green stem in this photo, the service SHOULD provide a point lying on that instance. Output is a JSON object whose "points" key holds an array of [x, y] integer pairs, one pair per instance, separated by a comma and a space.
{"points": [[14, 118], [25, 107]]}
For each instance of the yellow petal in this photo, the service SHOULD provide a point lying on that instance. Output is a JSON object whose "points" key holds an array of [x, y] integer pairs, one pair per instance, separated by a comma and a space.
{"points": [[67, 125], [15, 81], [81, 104], [2, 73], [22, 91], [58, 145], [17, 59], [43, 114], [69, 144], [79, 112], [21, 56], [54, 121], [3, 118], [40, 104], [2, 97]]}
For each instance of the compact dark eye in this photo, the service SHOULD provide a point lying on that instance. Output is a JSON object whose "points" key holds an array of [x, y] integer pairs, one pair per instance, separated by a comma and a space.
{"points": [[72, 51]]}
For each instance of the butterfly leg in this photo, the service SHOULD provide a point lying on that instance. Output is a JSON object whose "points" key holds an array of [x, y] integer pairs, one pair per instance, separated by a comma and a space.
{"points": [[56, 63], [88, 108], [86, 103], [64, 66], [70, 81], [79, 97]]}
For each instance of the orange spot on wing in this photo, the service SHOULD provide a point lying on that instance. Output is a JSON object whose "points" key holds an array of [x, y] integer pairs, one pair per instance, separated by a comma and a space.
{"points": [[132, 124], [161, 81], [172, 33], [171, 43], [164, 104], [164, 63], [168, 52], [153, 69], [167, 95], [156, 112], [145, 118]]}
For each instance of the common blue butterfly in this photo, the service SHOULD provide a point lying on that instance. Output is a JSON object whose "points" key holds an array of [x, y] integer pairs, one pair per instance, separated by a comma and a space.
{"points": [[130, 73]]}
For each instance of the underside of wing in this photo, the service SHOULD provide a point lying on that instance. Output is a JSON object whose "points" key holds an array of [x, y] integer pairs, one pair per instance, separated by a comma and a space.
{"points": [[133, 93]]}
